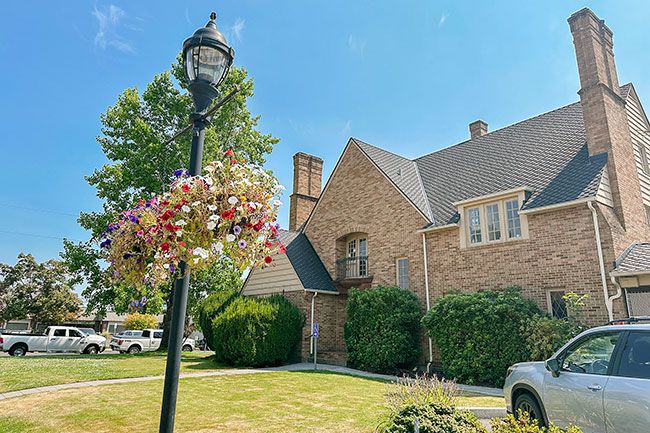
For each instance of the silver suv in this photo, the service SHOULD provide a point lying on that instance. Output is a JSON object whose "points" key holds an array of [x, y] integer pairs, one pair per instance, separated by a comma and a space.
{"points": [[599, 381]]}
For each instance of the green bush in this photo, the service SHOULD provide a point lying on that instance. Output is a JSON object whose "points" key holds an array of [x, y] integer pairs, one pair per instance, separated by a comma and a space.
{"points": [[432, 418], [256, 331], [523, 424], [140, 321], [545, 335], [213, 305], [382, 332], [479, 335]]}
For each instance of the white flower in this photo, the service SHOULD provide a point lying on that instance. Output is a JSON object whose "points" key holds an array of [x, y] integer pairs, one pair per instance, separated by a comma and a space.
{"points": [[196, 260], [179, 233], [209, 169], [214, 217], [185, 208], [277, 203], [212, 207], [218, 247], [180, 223], [201, 252], [232, 200], [218, 164], [230, 237], [211, 225], [196, 203]]}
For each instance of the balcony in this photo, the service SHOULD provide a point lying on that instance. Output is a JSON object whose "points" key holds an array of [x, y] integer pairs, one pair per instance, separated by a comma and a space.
{"points": [[352, 268]]}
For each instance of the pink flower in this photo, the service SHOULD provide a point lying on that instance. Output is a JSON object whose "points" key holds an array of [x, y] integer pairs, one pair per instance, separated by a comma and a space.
{"points": [[140, 233]]}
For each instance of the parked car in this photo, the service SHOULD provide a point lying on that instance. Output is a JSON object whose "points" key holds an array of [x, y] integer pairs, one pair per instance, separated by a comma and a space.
{"points": [[148, 341], [55, 339], [599, 381]]}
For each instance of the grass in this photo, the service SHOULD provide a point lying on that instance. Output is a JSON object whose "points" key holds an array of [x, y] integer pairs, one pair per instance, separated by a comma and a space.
{"points": [[36, 371], [272, 402]]}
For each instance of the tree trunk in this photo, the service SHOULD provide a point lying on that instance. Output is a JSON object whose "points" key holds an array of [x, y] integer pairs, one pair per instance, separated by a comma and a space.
{"points": [[167, 321]]}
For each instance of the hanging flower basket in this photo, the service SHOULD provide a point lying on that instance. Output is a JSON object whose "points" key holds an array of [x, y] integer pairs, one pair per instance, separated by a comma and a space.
{"points": [[230, 210]]}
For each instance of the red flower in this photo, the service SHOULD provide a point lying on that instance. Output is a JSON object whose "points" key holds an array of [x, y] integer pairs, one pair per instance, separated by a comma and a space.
{"points": [[228, 214], [268, 259], [282, 249], [167, 215], [185, 187], [268, 244], [233, 161], [229, 152], [257, 227], [181, 243], [165, 246]]}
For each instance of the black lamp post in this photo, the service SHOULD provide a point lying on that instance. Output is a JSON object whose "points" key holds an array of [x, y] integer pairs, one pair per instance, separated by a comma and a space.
{"points": [[207, 58]]}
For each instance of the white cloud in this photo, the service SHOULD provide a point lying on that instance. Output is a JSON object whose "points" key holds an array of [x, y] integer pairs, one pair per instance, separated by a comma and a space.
{"points": [[108, 19], [356, 45], [235, 31], [443, 19], [347, 128]]}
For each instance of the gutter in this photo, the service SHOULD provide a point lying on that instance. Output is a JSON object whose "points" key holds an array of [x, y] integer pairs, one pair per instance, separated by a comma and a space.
{"points": [[325, 292], [609, 301], [426, 291], [556, 206], [311, 338], [434, 228]]}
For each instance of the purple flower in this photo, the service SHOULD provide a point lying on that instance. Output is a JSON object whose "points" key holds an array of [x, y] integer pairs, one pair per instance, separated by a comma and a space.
{"points": [[127, 255], [105, 244], [171, 269], [180, 172], [236, 230], [242, 244]]}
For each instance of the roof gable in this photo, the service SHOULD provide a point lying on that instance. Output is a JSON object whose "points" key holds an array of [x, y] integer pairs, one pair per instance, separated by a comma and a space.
{"points": [[308, 266]]}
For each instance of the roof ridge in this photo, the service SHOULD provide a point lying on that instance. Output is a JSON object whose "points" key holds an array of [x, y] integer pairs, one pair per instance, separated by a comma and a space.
{"points": [[356, 140]]}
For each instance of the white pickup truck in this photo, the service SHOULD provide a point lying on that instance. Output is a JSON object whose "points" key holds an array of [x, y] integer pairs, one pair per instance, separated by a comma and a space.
{"points": [[55, 339], [148, 341]]}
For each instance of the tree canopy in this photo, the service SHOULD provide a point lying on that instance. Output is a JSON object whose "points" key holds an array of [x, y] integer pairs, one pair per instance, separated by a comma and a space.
{"points": [[135, 140], [41, 292]]}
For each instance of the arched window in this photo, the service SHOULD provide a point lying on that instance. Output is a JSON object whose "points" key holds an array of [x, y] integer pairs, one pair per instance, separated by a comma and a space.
{"points": [[353, 262]]}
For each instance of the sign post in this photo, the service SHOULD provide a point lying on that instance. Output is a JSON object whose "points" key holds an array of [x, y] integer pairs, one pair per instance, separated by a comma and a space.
{"points": [[314, 336]]}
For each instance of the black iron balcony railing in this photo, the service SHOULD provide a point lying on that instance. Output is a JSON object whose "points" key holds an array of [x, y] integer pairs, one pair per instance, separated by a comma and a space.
{"points": [[352, 267]]}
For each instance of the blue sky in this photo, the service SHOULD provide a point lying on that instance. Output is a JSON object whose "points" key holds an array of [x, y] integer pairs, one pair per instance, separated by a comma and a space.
{"points": [[406, 78]]}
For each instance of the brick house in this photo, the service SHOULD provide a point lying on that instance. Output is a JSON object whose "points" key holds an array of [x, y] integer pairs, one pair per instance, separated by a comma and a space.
{"points": [[555, 203]]}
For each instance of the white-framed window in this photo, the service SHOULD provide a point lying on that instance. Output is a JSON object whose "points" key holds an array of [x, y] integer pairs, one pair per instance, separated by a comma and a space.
{"points": [[402, 266], [493, 221], [356, 264]]}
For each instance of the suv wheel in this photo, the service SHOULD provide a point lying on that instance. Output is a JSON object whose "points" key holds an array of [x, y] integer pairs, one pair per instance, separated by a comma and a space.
{"points": [[18, 350], [187, 348], [527, 403], [91, 350], [133, 350]]}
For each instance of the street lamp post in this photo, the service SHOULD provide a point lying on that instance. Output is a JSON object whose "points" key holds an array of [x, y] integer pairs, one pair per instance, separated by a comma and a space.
{"points": [[206, 59]]}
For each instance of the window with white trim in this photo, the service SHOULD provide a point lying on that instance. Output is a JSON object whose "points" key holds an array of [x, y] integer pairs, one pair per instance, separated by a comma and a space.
{"points": [[403, 273], [494, 221]]}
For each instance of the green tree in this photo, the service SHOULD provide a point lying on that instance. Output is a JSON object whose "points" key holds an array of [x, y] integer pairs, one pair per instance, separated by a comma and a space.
{"points": [[41, 292], [135, 140], [140, 321]]}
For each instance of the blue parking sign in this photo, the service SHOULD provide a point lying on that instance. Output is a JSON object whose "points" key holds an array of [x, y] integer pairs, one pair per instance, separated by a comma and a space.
{"points": [[314, 330]]}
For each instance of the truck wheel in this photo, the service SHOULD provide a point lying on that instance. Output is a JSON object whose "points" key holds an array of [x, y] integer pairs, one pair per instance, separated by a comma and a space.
{"points": [[18, 350], [187, 348], [527, 403], [91, 350], [133, 350]]}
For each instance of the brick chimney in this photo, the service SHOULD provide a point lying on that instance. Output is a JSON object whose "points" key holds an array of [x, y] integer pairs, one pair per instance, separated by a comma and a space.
{"points": [[307, 180], [603, 110], [478, 129]]}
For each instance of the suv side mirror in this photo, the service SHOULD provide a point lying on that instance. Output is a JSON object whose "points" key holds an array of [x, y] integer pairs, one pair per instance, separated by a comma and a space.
{"points": [[553, 365]]}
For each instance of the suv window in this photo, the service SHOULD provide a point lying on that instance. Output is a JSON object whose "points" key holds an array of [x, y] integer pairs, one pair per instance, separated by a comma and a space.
{"points": [[591, 355], [157, 334], [74, 333], [635, 359], [145, 334], [59, 333]]}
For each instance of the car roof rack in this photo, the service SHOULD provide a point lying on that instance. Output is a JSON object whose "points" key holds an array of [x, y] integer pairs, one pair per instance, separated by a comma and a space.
{"points": [[630, 320]]}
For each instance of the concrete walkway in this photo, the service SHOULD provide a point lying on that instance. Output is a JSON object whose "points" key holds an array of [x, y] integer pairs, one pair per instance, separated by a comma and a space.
{"points": [[483, 413]]}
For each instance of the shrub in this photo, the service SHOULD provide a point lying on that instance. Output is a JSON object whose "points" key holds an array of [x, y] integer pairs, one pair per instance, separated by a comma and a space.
{"points": [[545, 335], [382, 329], [256, 331], [432, 418], [523, 424], [421, 390], [140, 321], [479, 335], [212, 306]]}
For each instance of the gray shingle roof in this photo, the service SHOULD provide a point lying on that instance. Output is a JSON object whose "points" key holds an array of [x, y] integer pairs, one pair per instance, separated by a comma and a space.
{"points": [[547, 153], [636, 259], [311, 271]]}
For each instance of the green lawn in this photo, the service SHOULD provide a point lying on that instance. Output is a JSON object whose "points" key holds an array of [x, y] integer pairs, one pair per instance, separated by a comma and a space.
{"points": [[35, 371], [282, 402]]}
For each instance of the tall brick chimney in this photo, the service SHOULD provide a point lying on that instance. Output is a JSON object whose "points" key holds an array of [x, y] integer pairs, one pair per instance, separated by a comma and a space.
{"points": [[477, 129], [604, 114], [307, 181]]}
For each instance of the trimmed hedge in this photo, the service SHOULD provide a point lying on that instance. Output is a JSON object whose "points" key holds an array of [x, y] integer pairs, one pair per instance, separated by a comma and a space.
{"points": [[257, 332], [545, 335], [140, 321], [479, 335], [212, 306], [432, 418], [382, 332]]}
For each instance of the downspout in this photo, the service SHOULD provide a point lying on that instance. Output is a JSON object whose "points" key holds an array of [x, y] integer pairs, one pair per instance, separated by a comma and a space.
{"points": [[426, 292], [601, 262], [619, 291], [311, 329]]}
